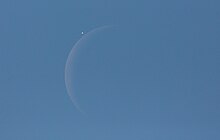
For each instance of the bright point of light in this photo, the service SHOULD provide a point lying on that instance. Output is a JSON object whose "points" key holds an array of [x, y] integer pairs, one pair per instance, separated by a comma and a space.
{"points": [[82, 33]]}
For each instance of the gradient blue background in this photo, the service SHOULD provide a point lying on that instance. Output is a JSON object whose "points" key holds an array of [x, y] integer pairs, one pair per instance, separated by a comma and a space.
{"points": [[36, 37]]}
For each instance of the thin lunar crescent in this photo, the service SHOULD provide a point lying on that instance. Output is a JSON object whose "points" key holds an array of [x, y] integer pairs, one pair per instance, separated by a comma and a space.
{"points": [[69, 63]]}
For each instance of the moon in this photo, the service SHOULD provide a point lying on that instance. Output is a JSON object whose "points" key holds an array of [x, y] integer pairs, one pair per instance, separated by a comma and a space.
{"points": [[69, 67]]}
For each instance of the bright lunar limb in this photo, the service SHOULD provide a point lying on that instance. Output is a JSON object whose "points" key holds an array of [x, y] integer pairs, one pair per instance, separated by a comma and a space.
{"points": [[70, 62]]}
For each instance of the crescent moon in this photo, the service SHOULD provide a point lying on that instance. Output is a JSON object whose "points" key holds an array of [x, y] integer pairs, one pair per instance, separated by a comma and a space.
{"points": [[70, 61]]}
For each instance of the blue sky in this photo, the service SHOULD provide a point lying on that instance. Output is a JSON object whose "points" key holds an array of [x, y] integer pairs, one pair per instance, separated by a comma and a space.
{"points": [[160, 76]]}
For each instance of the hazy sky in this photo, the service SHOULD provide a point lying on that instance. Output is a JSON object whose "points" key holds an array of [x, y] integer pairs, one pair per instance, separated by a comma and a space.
{"points": [[158, 79]]}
